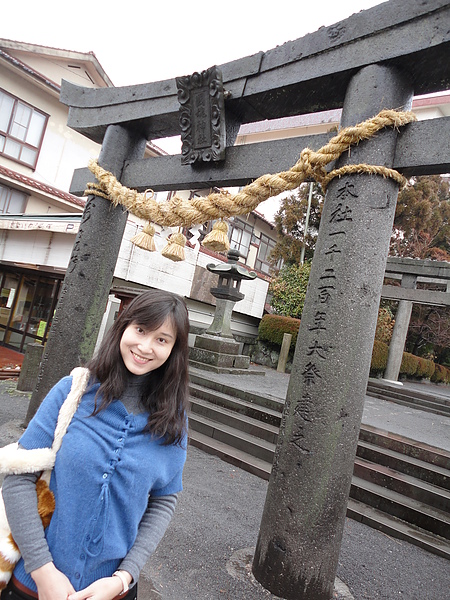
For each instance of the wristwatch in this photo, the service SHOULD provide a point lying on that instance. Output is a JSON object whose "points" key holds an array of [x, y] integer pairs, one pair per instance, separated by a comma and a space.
{"points": [[121, 576]]}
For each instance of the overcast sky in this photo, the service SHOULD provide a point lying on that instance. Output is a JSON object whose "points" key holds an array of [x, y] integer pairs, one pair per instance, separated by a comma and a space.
{"points": [[139, 42]]}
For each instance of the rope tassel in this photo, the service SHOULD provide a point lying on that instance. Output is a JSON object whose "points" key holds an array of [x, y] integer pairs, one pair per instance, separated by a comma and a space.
{"points": [[145, 239], [217, 238], [175, 247]]}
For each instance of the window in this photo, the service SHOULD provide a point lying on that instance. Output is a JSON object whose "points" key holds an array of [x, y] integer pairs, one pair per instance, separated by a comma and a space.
{"points": [[21, 129], [262, 260], [12, 201], [241, 236]]}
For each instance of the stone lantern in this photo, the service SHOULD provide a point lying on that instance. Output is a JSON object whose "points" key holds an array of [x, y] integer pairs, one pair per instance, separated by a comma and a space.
{"points": [[227, 292], [216, 349]]}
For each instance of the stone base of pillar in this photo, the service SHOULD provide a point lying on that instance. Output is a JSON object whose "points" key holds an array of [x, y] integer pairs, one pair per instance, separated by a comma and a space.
{"points": [[399, 383], [220, 355]]}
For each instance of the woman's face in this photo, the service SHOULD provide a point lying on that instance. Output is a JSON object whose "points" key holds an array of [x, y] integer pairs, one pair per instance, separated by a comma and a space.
{"points": [[143, 350]]}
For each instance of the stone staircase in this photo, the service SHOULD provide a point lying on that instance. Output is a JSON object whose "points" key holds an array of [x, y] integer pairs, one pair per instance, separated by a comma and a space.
{"points": [[421, 400], [399, 486]]}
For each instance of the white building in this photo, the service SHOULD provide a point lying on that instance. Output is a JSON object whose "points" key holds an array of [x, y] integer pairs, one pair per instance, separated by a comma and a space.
{"points": [[39, 218]]}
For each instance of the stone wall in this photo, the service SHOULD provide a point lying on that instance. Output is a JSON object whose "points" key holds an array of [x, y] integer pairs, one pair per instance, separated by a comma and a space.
{"points": [[267, 355]]}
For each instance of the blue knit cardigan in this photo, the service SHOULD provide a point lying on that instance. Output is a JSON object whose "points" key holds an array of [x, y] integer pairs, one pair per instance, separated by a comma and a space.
{"points": [[104, 472]]}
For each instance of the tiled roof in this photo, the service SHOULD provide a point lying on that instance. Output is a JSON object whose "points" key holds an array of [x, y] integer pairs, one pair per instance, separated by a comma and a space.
{"points": [[21, 65], [6, 46], [42, 187], [262, 217]]}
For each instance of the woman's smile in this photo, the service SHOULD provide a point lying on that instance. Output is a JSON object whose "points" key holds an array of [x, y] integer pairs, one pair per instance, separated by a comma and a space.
{"points": [[139, 358]]}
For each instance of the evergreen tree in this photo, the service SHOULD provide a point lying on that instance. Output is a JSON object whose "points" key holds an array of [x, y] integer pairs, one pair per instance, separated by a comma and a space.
{"points": [[422, 220], [421, 225], [290, 222]]}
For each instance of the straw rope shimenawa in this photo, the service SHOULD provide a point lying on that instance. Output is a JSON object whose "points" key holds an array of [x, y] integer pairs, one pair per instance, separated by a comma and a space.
{"points": [[178, 212]]}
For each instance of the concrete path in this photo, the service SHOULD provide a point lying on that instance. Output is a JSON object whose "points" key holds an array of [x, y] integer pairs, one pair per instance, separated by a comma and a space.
{"points": [[206, 553]]}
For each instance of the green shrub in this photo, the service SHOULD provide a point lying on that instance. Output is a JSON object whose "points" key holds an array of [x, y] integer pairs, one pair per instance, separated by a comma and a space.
{"points": [[288, 289], [447, 376], [409, 364], [273, 327], [439, 374], [379, 357], [425, 368]]}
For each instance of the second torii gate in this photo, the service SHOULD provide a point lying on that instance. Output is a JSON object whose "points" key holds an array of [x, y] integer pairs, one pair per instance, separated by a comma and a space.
{"points": [[374, 60]]}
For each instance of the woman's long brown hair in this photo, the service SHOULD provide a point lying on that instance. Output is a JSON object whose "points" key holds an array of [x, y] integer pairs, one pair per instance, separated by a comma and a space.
{"points": [[166, 391]]}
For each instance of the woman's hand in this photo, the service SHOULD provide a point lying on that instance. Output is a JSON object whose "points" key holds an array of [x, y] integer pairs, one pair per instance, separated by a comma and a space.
{"points": [[51, 583], [106, 588]]}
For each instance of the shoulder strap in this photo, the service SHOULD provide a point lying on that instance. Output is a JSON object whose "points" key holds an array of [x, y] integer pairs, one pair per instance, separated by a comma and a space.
{"points": [[15, 460], [80, 378]]}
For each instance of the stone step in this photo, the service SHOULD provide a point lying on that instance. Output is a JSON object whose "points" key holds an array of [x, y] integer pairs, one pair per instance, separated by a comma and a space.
{"points": [[244, 434], [264, 400], [242, 406], [208, 359], [356, 510], [422, 401], [401, 507], [431, 495], [427, 406], [233, 419], [223, 370], [399, 485], [431, 403], [405, 446], [239, 458], [407, 465], [233, 437], [405, 391], [222, 408], [396, 528]]}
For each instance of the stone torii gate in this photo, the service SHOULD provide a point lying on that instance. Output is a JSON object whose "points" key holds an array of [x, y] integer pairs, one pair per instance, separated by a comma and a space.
{"points": [[411, 271], [377, 59]]}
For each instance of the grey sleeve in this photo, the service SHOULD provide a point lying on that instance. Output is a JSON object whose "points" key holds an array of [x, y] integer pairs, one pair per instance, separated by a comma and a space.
{"points": [[19, 495], [153, 526]]}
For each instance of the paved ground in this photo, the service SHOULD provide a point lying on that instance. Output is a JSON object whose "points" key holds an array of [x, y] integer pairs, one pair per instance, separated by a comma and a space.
{"points": [[206, 553]]}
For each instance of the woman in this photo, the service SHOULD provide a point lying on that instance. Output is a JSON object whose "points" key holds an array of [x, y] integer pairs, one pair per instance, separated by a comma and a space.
{"points": [[119, 468]]}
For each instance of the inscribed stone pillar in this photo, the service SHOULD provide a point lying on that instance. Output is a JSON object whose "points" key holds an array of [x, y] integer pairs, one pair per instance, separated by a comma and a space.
{"points": [[398, 340], [89, 275], [301, 529]]}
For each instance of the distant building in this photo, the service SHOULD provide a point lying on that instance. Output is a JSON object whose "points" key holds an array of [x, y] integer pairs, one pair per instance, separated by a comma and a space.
{"points": [[39, 218]]}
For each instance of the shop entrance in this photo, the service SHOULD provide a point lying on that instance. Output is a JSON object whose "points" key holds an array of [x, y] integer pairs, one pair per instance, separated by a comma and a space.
{"points": [[27, 304]]}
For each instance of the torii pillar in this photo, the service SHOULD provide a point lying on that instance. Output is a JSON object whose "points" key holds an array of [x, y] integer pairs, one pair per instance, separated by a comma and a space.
{"points": [[302, 524], [398, 340], [89, 276]]}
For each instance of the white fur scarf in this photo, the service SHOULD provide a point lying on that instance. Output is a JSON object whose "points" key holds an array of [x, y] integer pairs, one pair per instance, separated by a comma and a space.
{"points": [[15, 460]]}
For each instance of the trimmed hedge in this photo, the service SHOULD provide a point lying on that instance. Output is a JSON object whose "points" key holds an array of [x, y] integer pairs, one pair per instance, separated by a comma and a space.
{"points": [[412, 366], [425, 368], [440, 374], [273, 327], [409, 364]]}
